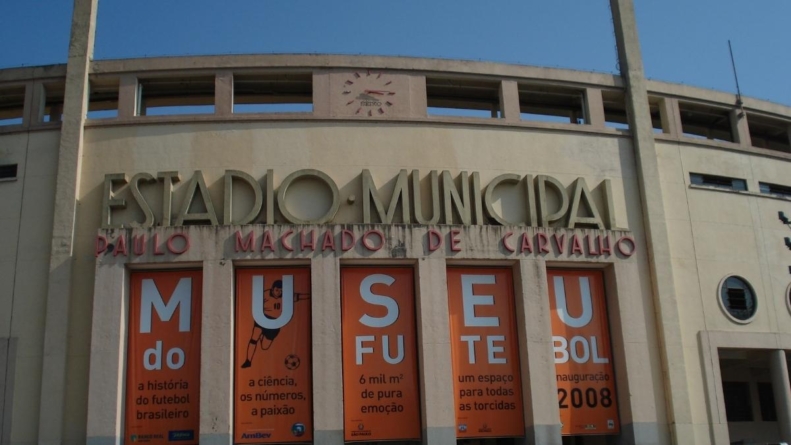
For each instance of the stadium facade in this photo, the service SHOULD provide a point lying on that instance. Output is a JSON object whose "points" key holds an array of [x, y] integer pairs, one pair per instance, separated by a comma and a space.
{"points": [[327, 249]]}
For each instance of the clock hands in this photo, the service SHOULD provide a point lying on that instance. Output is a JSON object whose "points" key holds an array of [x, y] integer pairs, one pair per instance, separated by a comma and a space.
{"points": [[381, 92]]}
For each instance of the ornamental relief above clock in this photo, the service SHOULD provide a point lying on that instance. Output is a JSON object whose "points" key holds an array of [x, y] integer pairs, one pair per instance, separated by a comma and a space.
{"points": [[369, 93]]}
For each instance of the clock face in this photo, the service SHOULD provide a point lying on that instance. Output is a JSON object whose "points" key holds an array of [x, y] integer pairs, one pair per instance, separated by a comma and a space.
{"points": [[368, 93]]}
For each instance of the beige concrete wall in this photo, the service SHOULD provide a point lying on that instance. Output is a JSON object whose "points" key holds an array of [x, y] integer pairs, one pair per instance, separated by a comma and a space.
{"points": [[25, 233], [342, 150], [715, 234]]}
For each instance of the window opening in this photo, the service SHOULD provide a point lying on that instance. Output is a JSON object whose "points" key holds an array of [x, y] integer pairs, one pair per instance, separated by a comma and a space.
{"points": [[766, 398], [705, 122], [775, 189], [463, 97], [615, 110], [551, 103], [103, 102], [273, 93], [738, 405], [770, 133], [12, 105], [738, 298], [175, 96], [8, 172], [53, 102], [722, 182], [654, 104]]}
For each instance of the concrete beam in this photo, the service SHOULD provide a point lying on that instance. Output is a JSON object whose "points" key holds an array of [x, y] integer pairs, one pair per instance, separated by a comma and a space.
{"points": [[670, 116], [223, 93], [325, 278], [739, 127], [217, 332], [436, 366], [778, 366], [67, 191], [537, 360], [679, 410], [128, 96], [594, 108], [509, 101]]}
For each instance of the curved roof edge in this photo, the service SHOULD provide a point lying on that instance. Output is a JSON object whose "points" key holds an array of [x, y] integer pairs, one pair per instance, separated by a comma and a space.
{"points": [[416, 64]]}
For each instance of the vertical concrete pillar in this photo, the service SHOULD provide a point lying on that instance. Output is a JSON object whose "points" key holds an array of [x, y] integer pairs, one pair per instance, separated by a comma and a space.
{"points": [[7, 366], [509, 101], [67, 191], [217, 348], [670, 116], [67, 188], [321, 93], [739, 127], [223, 93], [128, 97], [436, 366], [325, 277], [27, 106], [778, 366], [537, 360], [4, 342], [108, 356], [594, 108], [679, 411], [418, 100], [631, 349]]}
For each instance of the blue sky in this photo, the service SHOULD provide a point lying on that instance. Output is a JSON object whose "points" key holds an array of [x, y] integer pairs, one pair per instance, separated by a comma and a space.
{"points": [[683, 41]]}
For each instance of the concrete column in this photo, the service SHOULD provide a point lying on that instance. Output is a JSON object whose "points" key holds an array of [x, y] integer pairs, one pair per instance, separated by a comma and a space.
{"points": [[594, 108], [436, 366], [741, 132], [8, 347], [321, 93], [670, 116], [509, 101], [27, 106], [679, 412], [325, 277], [67, 191], [418, 101], [217, 348], [537, 360], [631, 350], [778, 366], [106, 383], [223, 93], [4, 342], [128, 96]]}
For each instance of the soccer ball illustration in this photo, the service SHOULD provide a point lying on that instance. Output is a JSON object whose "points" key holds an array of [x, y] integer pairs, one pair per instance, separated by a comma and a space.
{"points": [[298, 429], [292, 362]]}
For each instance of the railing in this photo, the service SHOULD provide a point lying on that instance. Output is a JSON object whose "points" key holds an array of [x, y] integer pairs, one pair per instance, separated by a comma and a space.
{"points": [[275, 87]]}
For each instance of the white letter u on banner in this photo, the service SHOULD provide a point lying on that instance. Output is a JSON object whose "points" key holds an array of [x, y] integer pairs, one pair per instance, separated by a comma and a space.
{"points": [[587, 303], [287, 301]]}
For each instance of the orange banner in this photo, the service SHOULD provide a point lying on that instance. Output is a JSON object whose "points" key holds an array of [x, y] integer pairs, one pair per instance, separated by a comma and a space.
{"points": [[163, 358], [381, 395], [583, 358], [486, 380], [273, 386]]}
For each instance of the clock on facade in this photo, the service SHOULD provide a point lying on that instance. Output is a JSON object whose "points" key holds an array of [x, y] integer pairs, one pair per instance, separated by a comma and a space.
{"points": [[369, 93]]}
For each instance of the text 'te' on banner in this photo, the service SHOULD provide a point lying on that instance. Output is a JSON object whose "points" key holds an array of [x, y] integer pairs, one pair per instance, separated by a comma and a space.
{"points": [[485, 350]]}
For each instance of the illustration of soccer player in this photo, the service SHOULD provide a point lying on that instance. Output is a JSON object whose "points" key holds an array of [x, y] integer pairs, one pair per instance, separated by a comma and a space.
{"points": [[272, 310]]}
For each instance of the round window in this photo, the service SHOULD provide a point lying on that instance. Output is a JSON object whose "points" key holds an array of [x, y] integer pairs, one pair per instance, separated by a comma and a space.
{"points": [[738, 299]]}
